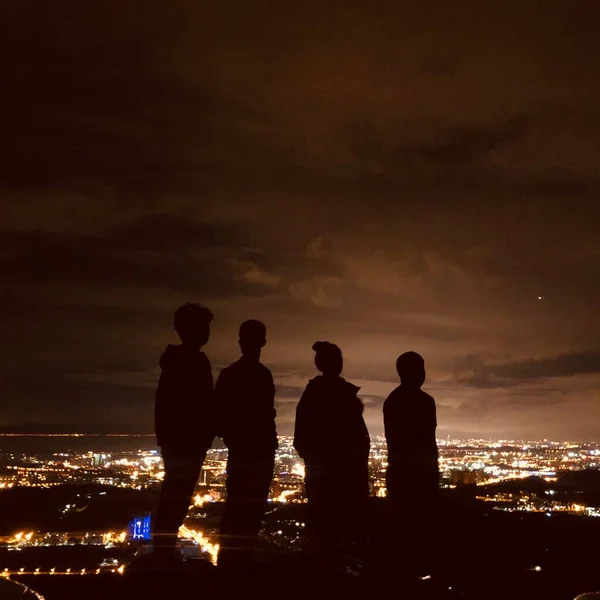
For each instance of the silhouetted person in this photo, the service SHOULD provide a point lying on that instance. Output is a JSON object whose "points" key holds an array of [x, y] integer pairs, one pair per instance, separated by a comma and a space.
{"points": [[183, 421], [413, 474], [246, 399], [332, 439]]}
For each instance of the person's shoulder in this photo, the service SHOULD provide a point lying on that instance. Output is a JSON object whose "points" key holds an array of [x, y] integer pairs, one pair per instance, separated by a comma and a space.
{"points": [[314, 384], [258, 372], [170, 356], [391, 401], [396, 393], [264, 370], [312, 392], [348, 387], [229, 370], [427, 397]]}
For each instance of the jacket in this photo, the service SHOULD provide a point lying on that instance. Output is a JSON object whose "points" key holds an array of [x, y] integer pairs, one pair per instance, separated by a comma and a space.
{"points": [[183, 412]]}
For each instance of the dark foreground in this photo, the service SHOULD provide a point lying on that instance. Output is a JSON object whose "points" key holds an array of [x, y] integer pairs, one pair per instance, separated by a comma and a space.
{"points": [[478, 553], [287, 577]]}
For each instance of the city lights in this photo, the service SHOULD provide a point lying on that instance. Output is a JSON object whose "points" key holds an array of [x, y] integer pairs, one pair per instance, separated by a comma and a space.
{"points": [[24, 571], [477, 463], [202, 541], [462, 462]]}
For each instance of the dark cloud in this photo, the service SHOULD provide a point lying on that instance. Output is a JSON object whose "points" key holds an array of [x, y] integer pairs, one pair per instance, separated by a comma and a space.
{"points": [[514, 373], [92, 406], [167, 232], [437, 155], [164, 250]]}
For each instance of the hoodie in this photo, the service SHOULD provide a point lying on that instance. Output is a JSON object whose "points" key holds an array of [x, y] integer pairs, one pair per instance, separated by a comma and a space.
{"points": [[183, 408], [330, 428]]}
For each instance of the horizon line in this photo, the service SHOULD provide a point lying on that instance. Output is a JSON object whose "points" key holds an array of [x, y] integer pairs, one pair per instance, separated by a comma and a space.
{"points": [[442, 439]]}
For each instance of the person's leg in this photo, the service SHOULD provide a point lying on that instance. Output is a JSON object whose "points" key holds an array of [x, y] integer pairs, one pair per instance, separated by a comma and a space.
{"points": [[396, 493], [413, 492], [313, 497], [426, 520], [352, 513], [228, 538], [402, 504], [257, 483], [248, 483], [181, 477], [322, 517]]}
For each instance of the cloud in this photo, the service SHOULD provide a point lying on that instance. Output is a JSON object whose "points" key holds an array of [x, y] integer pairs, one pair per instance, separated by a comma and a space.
{"points": [[319, 290], [325, 168], [514, 373], [253, 274], [93, 406], [158, 250]]}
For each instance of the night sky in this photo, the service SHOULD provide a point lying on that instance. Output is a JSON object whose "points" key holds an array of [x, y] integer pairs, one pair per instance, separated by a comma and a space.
{"points": [[386, 176]]}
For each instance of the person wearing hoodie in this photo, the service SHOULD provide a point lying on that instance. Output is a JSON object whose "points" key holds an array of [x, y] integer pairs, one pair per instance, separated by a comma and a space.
{"points": [[183, 421], [332, 438]]}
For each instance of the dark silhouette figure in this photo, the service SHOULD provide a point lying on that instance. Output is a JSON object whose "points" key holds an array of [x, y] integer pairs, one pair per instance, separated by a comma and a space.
{"points": [[413, 474], [246, 399], [183, 421], [332, 439]]}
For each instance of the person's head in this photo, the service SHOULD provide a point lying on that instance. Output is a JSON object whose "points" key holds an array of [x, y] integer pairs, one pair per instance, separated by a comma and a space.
{"points": [[253, 336], [411, 368], [328, 358], [192, 324]]}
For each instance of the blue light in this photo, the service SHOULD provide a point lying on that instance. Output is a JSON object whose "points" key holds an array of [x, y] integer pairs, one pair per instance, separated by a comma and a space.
{"points": [[139, 528]]}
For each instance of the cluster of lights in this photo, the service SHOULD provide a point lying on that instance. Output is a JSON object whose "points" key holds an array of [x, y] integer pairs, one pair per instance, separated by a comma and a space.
{"points": [[23, 571], [201, 499], [199, 538], [523, 502], [111, 537], [283, 497], [23, 538]]}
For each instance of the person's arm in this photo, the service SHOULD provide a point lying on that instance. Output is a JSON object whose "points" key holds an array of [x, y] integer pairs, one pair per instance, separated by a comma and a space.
{"points": [[158, 413], [218, 402], [209, 375], [272, 392], [392, 425], [388, 420], [165, 419], [272, 408], [302, 425], [362, 426], [433, 420]]}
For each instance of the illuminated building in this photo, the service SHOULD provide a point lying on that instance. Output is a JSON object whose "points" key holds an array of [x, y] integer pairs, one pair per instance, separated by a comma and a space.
{"points": [[463, 477], [139, 528]]}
